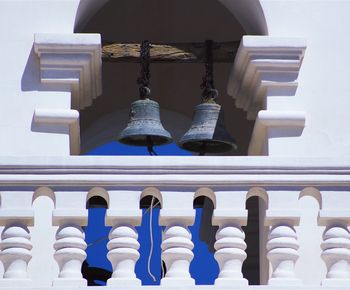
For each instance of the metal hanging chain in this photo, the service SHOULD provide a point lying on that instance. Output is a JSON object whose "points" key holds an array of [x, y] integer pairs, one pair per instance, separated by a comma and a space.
{"points": [[144, 79], [209, 93]]}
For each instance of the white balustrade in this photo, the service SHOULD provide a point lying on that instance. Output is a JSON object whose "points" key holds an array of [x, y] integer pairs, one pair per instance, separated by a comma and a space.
{"points": [[227, 186], [282, 245], [16, 215], [177, 245], [282, 252], [123, 215], [15, 251], [230, 254], [230, 214], [70, 214], [70, 254], [123, 254], [336, 254], [335, 216], [177, 254]]}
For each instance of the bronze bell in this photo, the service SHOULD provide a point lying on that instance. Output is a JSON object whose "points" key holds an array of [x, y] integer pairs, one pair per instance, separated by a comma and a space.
{"points": [[207, 133], [144, 126]]}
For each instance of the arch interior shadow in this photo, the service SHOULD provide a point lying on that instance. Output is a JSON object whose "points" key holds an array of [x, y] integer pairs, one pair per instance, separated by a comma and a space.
{"points": [[150, 251], [204, 268], [251, 266], [96, 269]]}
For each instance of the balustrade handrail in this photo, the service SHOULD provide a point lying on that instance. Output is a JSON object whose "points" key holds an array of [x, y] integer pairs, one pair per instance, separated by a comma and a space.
{"points": [[174, 171], [327, 165]]}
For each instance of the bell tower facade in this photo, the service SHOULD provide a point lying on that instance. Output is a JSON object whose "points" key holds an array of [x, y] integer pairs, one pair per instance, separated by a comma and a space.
{"points": [[289, 78]]}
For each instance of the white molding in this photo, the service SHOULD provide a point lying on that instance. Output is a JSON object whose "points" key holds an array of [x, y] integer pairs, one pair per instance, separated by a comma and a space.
{"points": [[175, 164], [326, 217], [264, 64], [54, 117], [23, 215], [174, 172], [73, 59], [15, 286], [273, 119]]}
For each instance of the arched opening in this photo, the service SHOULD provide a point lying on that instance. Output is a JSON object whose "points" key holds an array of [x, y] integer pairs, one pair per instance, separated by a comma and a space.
{"points": [[43, 205], [256, 266], [96, 269], [175, 86], [310, 233], [149, 266], [204, 268], [251, 266]]}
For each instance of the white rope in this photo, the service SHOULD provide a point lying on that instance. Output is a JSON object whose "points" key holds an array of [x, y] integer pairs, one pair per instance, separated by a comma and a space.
{"points": [[150, 209], [106, 237], [151, 239], [97, 241], [147, 210]]}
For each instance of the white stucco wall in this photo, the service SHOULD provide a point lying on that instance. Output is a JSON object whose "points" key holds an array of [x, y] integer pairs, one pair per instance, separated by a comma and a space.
{"points": [[21, 91], [323, 91]]}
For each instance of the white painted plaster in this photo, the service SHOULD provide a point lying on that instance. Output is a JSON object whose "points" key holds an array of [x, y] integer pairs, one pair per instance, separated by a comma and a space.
{"points": [[304, 52]]}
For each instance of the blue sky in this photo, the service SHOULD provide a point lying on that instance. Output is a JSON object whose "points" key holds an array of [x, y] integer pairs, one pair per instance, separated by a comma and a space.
{"points": [[204, 268]]}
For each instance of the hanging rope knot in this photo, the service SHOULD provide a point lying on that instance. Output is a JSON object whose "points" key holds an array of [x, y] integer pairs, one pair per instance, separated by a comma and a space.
{"points": [[145, 92], [213, 94], [144, 79]]}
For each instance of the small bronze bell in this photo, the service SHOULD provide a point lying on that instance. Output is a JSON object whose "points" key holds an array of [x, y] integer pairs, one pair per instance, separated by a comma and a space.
{"points": [[207, 133], [144, 125]]}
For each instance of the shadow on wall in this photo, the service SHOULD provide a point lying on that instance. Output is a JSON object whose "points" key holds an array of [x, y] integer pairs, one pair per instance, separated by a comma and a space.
{"points": [[30, 80]]}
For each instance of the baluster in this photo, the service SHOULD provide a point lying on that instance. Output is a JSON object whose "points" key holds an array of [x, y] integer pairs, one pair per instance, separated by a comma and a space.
{"points": [[70, 254], [177, 245], [177, 255], [16, 251], [336, 255], [230, 254], [123, 215], [16, 215], [282, 247], [282, 242], [123, 254], [70, 214], [230, 214]]}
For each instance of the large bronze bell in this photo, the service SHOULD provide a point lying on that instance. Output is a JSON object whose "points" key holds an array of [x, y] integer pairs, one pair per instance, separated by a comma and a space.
{"points": [[207, 133], [144, 127]]}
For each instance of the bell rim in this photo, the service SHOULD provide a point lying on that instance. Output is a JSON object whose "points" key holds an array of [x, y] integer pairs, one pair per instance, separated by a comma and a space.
{"points": [[141, 140], [221, 147]]}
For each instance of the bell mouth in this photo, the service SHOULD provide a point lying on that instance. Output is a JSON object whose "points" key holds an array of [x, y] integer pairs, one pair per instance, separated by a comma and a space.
{"points": [[144, 140], [208, 146]]}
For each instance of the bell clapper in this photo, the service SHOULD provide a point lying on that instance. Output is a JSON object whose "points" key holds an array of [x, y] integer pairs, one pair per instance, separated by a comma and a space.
{"points": [[202, 149], [150, 144]]}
